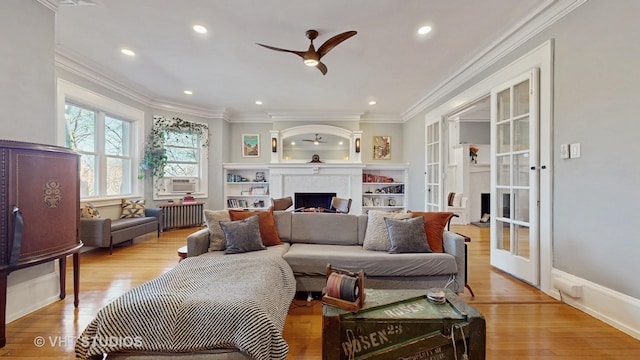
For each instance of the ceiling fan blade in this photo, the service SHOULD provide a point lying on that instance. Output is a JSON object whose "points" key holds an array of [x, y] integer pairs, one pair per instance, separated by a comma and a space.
{"points": [[333, 42], [299, 53], [322, 67]]}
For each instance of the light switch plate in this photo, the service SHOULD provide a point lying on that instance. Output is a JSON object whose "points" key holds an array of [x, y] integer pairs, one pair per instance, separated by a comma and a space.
{"points": [[564, 151], [574, 151]]}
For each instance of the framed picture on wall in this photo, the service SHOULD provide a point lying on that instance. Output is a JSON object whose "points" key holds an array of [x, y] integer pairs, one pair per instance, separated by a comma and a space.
{"points": [[250, 145], [382, 148]]}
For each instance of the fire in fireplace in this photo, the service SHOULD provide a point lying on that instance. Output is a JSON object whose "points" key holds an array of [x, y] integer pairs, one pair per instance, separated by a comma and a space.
{"points": [[313, 200]]}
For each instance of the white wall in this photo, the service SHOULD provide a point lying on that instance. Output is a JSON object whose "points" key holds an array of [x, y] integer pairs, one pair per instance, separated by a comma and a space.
{"points": [[27, 99]]}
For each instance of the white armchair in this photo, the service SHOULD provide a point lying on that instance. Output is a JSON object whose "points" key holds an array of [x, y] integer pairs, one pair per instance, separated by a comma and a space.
{"points": [[457, 204]]}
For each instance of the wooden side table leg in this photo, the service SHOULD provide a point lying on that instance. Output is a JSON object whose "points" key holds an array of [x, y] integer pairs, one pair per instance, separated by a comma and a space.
{"points": [[62, 261], [76, 278]]}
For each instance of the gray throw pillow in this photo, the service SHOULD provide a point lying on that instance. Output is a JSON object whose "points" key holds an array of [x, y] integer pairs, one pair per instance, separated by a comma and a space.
{"points": [[242, 235], [376, 236], [407, 236]]}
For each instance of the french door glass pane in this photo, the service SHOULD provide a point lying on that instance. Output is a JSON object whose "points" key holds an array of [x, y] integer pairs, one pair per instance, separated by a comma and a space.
{"points": [[521, 98], [521, 168], [521, 134], [504, 235], [521, 205], [504, 105], [504, 138], [504, 204], [503, 170], [88, 178], [522, 241]]}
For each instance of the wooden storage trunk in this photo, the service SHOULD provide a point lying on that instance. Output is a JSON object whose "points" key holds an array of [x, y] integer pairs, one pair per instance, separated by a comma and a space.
{"points": [[403, 324]]}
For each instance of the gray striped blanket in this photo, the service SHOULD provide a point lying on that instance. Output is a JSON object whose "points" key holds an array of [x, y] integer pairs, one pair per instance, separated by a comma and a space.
{"points": [[229, 301]]}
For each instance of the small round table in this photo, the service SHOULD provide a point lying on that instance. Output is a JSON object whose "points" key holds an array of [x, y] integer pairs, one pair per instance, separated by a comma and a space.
{"points": [[182, 252]]}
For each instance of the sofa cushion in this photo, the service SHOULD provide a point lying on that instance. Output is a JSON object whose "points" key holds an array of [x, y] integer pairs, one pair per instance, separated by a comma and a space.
{"points": [[119, 224], [268, 230], [283, 224], [212, 218], [377, 237], [312, 259], [434, 225], [270, 251], [324, 228], [407, 236], [242, 235]]}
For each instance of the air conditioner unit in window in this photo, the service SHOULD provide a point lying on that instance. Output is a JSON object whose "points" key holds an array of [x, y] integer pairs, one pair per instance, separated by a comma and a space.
{"points": [[184, 185]]}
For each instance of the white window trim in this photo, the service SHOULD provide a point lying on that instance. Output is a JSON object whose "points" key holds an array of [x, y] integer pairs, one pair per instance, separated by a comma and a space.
{"points": [[68, 91]]}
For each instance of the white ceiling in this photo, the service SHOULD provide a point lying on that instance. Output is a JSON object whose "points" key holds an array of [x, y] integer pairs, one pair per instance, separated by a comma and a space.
{"points": [[386, 61]]}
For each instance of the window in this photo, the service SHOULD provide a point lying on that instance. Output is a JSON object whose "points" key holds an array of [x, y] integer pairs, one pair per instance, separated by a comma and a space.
{"points": [[108, 136], [183, 154], [104, 143]]}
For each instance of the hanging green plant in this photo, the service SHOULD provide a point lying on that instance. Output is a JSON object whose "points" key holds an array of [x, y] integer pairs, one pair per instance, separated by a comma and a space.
{"points": [[155, 157]]}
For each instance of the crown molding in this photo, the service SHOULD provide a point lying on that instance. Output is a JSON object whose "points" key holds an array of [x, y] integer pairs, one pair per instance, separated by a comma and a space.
{"points": [[544, 16], [51, 4], [316, 116], [249, 117], [382, 118], [68, 62]]}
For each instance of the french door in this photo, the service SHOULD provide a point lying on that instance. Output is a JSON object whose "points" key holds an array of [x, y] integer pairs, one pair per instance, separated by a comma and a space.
{"points": [[515, 240], [433, 166]]}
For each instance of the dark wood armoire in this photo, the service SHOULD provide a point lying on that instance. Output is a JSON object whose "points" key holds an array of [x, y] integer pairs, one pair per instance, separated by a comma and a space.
{"points": [[39, 212]]}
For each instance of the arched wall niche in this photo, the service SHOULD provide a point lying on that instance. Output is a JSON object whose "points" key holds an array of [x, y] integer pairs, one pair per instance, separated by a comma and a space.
{"points": [[332, 144]]}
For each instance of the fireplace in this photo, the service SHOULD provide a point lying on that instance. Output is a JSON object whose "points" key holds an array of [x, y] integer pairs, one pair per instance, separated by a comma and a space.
{"points": [[312, 200]]}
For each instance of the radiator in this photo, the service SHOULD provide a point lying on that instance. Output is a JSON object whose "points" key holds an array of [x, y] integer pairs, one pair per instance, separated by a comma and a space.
{"points": [[181, 215]]}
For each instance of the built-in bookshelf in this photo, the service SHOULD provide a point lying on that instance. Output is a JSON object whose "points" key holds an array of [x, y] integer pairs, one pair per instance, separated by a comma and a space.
{"points": [[246, 187], [383, 187]]}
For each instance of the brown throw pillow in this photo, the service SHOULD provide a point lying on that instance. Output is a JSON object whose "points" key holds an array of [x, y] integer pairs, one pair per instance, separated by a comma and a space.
{"points": [[268, 230], [434, 225]]}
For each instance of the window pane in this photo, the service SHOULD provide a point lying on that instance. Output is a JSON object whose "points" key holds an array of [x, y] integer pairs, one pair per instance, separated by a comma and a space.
{"points": [[521, 205], [504, 205], [182, 154], [81, 128], [504, 235], [117, 171], [88, 178], [181, 170], [504, 138], [184, 139], [116, 137]]}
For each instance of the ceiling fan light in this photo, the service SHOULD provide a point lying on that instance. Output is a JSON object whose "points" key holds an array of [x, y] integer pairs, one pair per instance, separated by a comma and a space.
{"points": [[311, 62]]}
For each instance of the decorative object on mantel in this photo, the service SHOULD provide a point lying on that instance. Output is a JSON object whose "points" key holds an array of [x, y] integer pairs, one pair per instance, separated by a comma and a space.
{"points": [[250, 145], [382, 148], [473, 152], [315, 159], [155, 157]]}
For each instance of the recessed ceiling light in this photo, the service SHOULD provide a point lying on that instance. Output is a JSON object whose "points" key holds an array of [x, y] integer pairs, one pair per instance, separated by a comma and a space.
{"points": [[127, 52], [293, 143], [372, 102], [200, 29], [340, 143], [188, 92], [258, 102], [424, 30]]}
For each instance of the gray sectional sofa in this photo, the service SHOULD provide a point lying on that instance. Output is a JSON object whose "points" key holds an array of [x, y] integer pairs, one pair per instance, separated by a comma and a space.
{"points": [[313, 240]]}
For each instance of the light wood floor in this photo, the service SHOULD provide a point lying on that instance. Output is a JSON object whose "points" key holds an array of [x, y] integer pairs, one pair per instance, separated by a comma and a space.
{"points": [[522, 322]]}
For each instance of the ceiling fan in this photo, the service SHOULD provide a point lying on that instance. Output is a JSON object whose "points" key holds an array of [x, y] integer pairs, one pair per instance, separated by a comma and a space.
{"points": [[317, 140], [312, 57]]}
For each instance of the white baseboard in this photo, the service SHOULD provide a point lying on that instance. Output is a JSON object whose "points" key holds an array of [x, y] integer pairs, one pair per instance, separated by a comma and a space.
{"points": [[31, 295], [616, 309]]}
